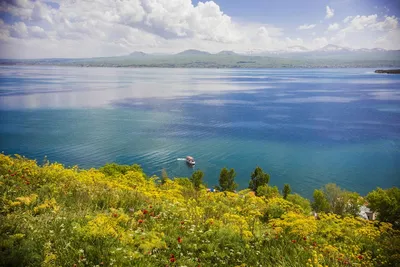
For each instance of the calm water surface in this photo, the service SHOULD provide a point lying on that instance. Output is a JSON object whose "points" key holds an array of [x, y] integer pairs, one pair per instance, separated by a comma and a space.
{"points": [[304, 127]]}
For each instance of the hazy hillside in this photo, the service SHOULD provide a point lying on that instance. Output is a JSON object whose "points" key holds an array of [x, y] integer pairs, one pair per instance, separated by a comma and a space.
{"points": [[294, 57]]}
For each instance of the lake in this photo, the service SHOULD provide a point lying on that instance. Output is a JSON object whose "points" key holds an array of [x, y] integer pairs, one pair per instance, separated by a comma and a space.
{"points": [[305, 127]]}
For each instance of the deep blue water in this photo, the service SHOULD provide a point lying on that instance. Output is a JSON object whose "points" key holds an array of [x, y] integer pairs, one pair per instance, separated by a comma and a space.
{"points": [[306, 127]]}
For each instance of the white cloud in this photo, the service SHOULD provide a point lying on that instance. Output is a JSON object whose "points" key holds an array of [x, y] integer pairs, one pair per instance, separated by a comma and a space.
{"points": [[347, 19], [37, 32], [167, 19], [306, 26], [368, 32], [361, 23], [358, 23], [386, 8], [390, 23], [330, 12], [390, 40], [294, 42], [89, 28], [319, 42], [19, 30], [333, 27]]}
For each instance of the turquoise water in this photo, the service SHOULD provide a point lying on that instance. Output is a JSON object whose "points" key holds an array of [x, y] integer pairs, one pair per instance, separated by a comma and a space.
{"points": [[306, 127]]}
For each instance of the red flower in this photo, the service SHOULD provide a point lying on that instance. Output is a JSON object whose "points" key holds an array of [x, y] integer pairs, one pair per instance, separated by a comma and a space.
{"points": [[145, 211], [179, 239], [314, 244], [140, 221], [150, 206], [172, 258], [27, 182], [12, 174], [182, 222], [115, 215], [346, 262], [304, 238], [293, 241], [360, 257]]}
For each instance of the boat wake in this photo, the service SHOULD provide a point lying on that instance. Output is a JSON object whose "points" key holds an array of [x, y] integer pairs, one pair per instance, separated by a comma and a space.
{"points": [[180, 159]]}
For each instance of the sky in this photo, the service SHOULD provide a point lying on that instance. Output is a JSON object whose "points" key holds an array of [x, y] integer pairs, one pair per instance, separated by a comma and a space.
{"points": [[95, 28]]}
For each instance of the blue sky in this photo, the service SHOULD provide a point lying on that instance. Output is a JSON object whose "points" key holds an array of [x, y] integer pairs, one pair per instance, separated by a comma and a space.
{"points": [[291, 13], [278, 11], [70, 28]]}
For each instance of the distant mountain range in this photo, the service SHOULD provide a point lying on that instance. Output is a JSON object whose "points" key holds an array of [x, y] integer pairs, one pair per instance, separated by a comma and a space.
{"points": [[329, 56], [330, 48], [296, 51], [193, 52], [138, 54]]}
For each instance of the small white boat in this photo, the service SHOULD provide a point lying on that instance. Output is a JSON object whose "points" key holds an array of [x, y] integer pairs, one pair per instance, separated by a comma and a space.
{"points": [[190, 160]]}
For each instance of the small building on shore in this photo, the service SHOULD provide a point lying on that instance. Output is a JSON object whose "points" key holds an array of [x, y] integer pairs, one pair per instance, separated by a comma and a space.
{"points": [[366, 213]]}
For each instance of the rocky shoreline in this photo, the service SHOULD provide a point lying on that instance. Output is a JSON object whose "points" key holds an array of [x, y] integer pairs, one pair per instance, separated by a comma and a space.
{"points": [[397, 71]]}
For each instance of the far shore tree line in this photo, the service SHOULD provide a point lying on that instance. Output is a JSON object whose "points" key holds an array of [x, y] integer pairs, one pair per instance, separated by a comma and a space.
{"points": [[329, 199]]}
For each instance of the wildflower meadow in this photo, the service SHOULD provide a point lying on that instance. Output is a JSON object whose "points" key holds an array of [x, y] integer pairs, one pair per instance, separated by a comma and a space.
{"points": [[117, 216]]}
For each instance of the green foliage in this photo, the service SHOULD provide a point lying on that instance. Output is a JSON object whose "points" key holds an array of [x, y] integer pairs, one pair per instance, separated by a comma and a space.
{"points": [[286, 190], [353, 203], [227, 180], [276, 207], [320, 203], [197, 179], [164, 176], [258, 178], [301, 202], [334, 196], [268, 191], [335, 200], [387, 204], [114, 169]]}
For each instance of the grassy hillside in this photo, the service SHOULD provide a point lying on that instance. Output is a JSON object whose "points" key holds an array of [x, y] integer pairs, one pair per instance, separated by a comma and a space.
{"points": [[117, 216]]}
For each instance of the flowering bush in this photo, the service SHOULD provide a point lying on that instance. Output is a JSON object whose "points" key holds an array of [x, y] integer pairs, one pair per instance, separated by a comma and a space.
{"points": [[117, 216]]}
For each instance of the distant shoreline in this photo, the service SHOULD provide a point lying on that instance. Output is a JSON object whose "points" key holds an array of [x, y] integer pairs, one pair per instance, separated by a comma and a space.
{"points": [[396, 71], [212, 66], [193, 59]]}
